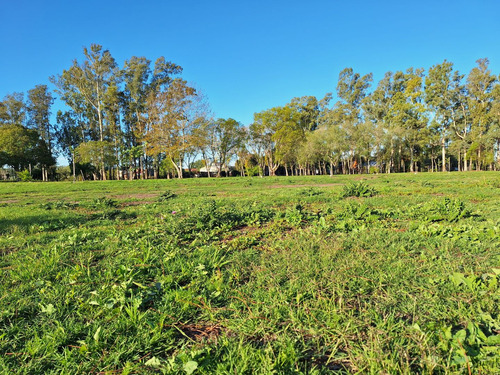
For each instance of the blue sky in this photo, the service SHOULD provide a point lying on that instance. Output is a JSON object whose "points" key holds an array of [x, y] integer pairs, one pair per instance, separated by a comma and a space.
{"points": [[248, 56]]}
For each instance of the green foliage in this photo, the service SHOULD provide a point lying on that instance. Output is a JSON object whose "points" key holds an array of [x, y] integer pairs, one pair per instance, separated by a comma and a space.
{"points": [[358, 189], [273, 276], [25, 176], [22, 147], [294, 216], [165, 196], [95, 153], [450, 210], [252, 171], [103, 202], [310, 192], [59, 205]]}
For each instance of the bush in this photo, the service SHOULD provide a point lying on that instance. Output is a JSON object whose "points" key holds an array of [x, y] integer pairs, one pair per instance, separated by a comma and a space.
{"points": [[64, 173], [25, 176], [252, 171]]}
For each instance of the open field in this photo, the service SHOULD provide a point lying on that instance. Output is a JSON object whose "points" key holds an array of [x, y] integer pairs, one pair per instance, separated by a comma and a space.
{"points": [[278, 275]]}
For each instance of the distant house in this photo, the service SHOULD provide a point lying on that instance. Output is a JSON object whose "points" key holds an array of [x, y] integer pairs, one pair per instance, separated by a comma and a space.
{"points": [[213, 170], [7, 174]]}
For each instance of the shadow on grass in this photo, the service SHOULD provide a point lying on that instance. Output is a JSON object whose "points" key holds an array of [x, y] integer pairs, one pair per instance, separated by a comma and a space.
{"points": [[39, 223]]}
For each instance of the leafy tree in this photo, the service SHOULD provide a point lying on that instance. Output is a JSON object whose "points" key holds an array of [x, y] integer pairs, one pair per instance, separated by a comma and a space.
{"points": [[439, 96], [376, 107], [141, 82], [95, 153], [227, 137], [170, 126], [351, 90], [12, 109], [83, 87], [22, 148], [480, 84], [495, 129], [38, 110], [263, 135]]}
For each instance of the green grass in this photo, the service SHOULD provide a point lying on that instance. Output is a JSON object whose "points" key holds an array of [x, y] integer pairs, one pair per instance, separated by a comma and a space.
{"points": [[285, 275]]}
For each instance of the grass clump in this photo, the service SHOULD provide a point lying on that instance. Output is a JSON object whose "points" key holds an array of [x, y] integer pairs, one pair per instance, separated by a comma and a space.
{"points": [[358, 189], [103, 203], [167, 195], [446, 209]]}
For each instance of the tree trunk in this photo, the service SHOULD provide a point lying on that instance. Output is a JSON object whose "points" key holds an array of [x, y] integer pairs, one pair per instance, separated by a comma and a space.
{"points": [[74, 168], [391, 163], [443, 154], [478, 164], [412, 169]]}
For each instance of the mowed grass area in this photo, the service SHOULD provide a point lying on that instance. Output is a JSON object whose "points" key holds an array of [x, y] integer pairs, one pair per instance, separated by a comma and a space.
{"points": [[278, 275]]}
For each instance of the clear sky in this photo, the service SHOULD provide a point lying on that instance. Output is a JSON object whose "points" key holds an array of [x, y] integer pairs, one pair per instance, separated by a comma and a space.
{"points": [[248, 56]]}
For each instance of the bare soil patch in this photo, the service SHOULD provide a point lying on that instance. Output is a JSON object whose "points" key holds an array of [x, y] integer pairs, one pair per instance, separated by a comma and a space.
{"points": [[136, 196], [135, 203], [201, 332], [304, 185], [9, 201]]}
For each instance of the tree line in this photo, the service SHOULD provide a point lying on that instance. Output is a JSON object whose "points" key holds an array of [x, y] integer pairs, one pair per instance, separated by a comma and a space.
{"points": [[142, 120]]}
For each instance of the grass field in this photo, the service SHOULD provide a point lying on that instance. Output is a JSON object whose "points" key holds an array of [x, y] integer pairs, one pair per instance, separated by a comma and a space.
{"points": [[286, 275]]}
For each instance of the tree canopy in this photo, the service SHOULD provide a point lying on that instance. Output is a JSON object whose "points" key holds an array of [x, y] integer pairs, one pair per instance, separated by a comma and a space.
{"points": [[128, 121]]}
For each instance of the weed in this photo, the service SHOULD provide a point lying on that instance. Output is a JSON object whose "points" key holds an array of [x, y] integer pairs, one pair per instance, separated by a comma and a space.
{"points": [[358, 189], [169, 194], [450, 210], [103, 202], [58, 205]]}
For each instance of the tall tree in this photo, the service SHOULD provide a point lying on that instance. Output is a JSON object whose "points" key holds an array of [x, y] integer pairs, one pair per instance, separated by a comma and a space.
{"points": [[495, 131], [439, 98], [480, 83], [70, 133], [414, 117], [141, 83], [377, 107], [87, 83], [168, 123], [12, 109], [266, 136], [22, 148], [227, 137], [352, 88], [461, 122], [38, 109]]}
